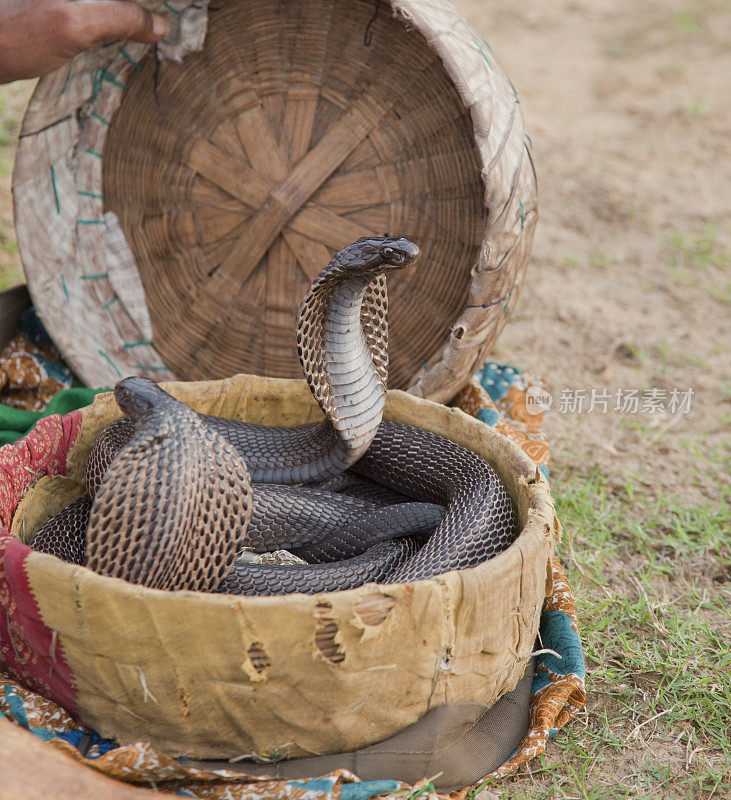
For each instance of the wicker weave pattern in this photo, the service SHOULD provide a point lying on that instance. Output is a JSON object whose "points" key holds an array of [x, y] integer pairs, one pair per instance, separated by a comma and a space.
{"points": [[240, 170]]}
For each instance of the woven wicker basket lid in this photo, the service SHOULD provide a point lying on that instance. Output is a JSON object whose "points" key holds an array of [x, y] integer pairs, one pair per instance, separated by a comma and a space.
{"points": [[172, 207]]}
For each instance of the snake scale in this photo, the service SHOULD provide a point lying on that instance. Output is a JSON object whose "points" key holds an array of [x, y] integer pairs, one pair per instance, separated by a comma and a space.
{"points": [[175, 495]]}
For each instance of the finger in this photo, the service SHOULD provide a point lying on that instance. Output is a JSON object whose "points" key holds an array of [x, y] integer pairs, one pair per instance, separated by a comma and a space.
{"points": [[108, 20]]}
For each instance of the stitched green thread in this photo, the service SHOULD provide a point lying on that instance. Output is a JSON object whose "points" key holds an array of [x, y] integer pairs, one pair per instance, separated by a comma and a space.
{"points": [[100, 118], [66, 82], [91, 222], [94, 277], [114, 366], [126, 55], [95, 195], [130, 345], [150, 368], [109, 303], [522, 214], [65, 290], [55, 189], [102, 75], [530, 141], [170, 8], [107, 76], [93, 153], [479, 47], [507, 302]]}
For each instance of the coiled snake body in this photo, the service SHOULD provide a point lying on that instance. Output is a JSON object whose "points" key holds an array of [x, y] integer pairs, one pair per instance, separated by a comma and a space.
{"points": [[172, 490]]}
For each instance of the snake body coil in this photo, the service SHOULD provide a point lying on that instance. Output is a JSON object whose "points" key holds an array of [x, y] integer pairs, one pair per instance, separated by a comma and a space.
{"points": [[183, 461]]}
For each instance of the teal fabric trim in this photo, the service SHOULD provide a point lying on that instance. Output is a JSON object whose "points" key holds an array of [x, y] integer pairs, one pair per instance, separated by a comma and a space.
{"points": [[489, 416], [76, 736], [17, 709], [496, 379], [558, 635], [363, 790], [57, 371], [32, 328], [360, 790]]}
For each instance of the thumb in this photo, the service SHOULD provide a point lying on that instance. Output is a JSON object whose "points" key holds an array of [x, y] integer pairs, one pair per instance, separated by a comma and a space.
{"points": [[109, 20]]}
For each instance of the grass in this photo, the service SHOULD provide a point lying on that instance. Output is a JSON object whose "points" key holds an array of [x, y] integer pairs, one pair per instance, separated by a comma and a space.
{"points": [[651, 580], [9, 124], [599, 258], [12, 103], [700, 251], [656, 27], [670, 357], [698, 108], [700, 258], [10, 270], [686, 20]]}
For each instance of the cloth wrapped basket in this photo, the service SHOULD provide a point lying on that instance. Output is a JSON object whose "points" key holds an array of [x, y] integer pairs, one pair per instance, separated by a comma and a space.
{"points": [[212, 676]]}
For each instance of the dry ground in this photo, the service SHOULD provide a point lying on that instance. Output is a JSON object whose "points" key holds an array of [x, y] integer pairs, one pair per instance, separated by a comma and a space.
{"points": [[627, 106]]}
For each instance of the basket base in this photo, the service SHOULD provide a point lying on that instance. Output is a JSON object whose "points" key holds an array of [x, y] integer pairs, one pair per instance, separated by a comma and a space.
{"points": [[461, 741]]}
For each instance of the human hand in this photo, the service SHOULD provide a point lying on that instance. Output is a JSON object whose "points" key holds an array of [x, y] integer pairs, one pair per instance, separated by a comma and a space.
{"points": [[38, 36]]}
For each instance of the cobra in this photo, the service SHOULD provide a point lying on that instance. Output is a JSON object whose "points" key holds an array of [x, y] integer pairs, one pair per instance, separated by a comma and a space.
{"points": [[462, 514]]}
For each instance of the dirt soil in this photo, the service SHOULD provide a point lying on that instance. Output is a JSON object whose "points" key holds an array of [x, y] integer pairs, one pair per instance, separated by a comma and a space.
{"points": [[628, 109], [629, 113]]}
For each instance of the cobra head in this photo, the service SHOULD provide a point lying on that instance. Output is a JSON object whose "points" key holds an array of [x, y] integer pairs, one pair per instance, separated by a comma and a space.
{"points": [[139, 397], [373, 255]]}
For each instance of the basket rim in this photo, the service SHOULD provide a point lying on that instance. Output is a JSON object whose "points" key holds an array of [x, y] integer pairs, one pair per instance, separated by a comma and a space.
{"points": [[538, 511]]}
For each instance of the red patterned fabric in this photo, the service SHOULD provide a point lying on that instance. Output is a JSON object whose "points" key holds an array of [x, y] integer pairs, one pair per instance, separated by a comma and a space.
{"points": [[42, 452], [29, 650]]}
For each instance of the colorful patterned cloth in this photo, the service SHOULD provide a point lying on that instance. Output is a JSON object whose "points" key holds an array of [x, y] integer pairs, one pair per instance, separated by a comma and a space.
{"points": [[34, 382], [498, 395], [31, 370]]}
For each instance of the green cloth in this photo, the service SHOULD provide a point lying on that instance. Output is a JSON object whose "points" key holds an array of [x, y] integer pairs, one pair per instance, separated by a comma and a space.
{"points": [[15, 423]]}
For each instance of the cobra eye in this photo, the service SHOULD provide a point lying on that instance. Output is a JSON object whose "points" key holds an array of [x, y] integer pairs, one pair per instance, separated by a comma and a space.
{"points": [[387, 252]]}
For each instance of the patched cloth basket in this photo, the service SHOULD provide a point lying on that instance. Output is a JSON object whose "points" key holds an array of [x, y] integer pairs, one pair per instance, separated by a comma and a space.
{"points": [[172, 207], [271, 676]]}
